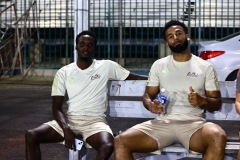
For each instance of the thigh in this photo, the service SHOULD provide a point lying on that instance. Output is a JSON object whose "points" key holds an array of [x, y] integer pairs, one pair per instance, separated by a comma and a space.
{"points": [[98, 139], [46, 134], [92, 129], [162, 131], [185, 129], [138, 141], [202, 137]]}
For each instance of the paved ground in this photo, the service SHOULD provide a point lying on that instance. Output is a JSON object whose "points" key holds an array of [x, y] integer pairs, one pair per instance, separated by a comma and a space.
{"points": [[25, 104]]}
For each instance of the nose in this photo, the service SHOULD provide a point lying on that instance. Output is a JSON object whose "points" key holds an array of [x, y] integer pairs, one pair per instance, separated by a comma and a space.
{"points": [[85, 47], [175, 36]]}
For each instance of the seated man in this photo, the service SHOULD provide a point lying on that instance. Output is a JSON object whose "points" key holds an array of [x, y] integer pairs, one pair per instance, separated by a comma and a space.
{"points": [[237, 101], [191, 85], [85, 83]]}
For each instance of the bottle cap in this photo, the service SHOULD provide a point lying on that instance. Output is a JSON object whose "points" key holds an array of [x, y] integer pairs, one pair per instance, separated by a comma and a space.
{"points": [[163, 90]]}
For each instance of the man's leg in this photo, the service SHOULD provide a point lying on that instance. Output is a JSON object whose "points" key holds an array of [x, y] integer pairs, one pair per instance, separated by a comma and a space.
{"points": [[102, 142], [238, 155], [239, 150], [210, 140], [41, 134], [131, 141]]}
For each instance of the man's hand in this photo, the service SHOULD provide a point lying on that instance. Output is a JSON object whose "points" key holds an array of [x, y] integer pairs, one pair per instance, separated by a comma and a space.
{"points": [[69, 138], [195, 99], [156, 107]]}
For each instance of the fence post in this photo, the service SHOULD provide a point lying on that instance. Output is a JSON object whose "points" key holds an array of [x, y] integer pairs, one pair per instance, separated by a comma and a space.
{"points": [[81, 19]]}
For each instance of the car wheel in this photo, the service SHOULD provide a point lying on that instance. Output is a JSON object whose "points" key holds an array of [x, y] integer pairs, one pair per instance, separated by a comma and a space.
{"points": [[232, 76]]}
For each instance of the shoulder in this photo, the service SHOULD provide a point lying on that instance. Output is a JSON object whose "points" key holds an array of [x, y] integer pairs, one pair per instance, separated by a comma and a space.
{"points": [[163, 60], [67, 68], [106, 62]]}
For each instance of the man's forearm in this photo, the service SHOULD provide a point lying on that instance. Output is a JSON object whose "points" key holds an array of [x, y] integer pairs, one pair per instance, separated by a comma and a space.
{"points": [[237, 103], [60, 118], [212, 104], [147, 99]]}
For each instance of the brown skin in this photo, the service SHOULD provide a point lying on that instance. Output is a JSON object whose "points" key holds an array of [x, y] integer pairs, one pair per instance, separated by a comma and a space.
{"points": [[211, 139], [237, 104], [102, 142], [239, 150]]}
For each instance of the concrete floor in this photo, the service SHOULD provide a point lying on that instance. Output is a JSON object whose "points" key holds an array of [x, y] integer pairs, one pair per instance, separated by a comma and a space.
{"points": [[26, 106]]}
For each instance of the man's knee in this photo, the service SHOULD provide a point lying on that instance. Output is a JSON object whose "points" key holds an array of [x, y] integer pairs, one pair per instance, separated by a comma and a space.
{"points": [[106, 147], [219, 137], [222, 136], [30, 136], [119, 142]]}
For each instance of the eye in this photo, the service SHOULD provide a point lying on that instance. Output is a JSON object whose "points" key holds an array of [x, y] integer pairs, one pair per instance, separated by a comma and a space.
{"points": [[90, 45], [82, 44], [170, 37], [179, 33]]}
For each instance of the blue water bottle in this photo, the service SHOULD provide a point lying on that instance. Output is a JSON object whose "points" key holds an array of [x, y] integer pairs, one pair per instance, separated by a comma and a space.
{"points": [[162, 98]]}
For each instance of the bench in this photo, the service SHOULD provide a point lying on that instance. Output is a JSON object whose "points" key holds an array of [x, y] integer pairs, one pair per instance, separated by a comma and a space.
{"points": [[125, 101]]}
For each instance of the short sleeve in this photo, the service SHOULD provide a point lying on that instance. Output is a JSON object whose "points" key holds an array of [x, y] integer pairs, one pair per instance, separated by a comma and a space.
{"points": [[58, 86], [153, 78], [211, 82], [117, 72]]}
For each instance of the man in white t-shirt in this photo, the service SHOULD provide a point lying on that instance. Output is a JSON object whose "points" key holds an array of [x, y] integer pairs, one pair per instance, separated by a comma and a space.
{"points": [[237, 100], [85, 83], [191, 86]]}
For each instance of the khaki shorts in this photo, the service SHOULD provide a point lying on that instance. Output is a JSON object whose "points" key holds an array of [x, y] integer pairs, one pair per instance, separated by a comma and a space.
{"points": [[84, 126], [167, 132]]}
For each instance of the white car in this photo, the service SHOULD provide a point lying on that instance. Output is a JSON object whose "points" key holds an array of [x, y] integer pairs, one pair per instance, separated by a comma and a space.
{"points": [[224, 54]]}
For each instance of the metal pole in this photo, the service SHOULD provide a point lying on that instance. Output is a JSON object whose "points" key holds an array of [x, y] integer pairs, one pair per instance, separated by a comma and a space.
{"points": [[66, 38], [109, 34], [178, 10], [81, 19], [120, 34], [189, 17], [199, 22]]}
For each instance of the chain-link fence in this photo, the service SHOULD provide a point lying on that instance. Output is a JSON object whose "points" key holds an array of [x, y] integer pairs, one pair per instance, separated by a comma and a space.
{"points": [[40, 34]]}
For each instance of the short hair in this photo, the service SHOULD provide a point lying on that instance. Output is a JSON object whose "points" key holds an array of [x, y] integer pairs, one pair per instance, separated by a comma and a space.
{"points": [[173, 23], [86, 32]]}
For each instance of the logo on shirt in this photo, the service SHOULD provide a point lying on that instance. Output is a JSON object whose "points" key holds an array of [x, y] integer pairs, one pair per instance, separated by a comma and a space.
{"points": [[192, 74], [165, 72], [97, 76]]}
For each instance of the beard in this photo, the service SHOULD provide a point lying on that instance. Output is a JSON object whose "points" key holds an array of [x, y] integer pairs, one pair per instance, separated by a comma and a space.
{"points": [[85, 59], [179, 48]]}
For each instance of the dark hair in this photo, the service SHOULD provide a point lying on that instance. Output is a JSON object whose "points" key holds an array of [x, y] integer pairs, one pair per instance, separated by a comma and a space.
{"points": [[173, 23], [86, 33]]}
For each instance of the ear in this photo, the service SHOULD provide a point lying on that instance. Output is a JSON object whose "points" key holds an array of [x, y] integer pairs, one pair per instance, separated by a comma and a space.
{"points": [[188, 37]]}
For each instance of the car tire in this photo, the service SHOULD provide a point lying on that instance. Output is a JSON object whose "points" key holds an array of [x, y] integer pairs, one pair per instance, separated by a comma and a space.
{"points": [[232, 76]]}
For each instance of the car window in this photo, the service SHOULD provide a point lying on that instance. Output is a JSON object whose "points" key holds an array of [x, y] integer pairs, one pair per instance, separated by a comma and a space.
{"points": [[229, 36]]}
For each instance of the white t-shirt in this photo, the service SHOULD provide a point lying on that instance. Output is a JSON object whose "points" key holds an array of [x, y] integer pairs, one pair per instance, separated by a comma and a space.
{"points": [[177, 77], [87, 89]]}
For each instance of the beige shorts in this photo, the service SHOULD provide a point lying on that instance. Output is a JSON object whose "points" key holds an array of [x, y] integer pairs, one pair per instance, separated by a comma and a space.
{"points": [[84, 126], [168, 132]]}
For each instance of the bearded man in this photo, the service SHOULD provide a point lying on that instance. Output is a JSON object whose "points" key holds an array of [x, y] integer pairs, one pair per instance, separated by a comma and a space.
{"points": [[192, 87]]}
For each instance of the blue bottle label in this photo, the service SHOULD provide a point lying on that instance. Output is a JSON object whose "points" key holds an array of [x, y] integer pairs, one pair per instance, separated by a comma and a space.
{"points": [[162, 99]]}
